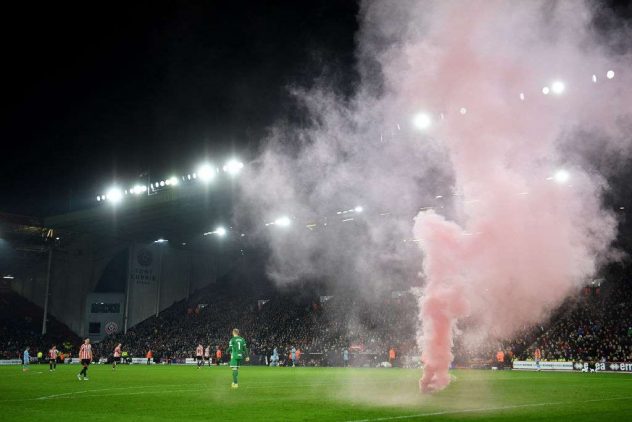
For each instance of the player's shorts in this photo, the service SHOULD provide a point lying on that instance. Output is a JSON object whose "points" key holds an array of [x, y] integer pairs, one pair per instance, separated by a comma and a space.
{"points": [[235, 363], [51, 360], [198, 357], [117, 359], [85, 361], [207, 357]]}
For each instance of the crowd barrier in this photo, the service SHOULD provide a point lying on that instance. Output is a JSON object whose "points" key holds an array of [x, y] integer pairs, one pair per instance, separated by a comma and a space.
{"points": [[574, 366], [604, 366], [546, 366]]}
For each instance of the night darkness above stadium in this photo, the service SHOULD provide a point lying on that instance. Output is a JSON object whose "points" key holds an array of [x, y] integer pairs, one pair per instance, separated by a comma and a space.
{"points": [[97, 92]]}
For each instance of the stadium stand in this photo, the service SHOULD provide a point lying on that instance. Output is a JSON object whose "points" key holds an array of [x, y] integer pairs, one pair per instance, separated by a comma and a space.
{"points": [[21, 326], [595, 325]]}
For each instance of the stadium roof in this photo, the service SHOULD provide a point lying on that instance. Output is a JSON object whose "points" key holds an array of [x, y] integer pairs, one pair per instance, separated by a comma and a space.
{"points": [[176, 215]]}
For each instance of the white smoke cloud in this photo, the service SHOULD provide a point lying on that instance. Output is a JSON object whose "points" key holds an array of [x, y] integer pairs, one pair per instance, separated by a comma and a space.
{"points": [[502, 238]]}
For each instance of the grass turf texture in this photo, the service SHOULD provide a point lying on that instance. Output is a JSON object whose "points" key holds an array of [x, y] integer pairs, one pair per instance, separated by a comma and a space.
{"points": [[143, 393]]}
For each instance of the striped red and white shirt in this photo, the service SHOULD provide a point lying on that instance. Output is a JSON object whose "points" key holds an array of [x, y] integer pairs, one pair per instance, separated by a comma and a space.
{"points": [[52, 353], [199, 351], [85, 352], [207, 352], [117, 352]]}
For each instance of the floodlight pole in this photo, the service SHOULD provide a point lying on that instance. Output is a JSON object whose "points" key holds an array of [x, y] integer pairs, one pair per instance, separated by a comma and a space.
{"points": [[129, 276], [158, 285], [48, 276]]}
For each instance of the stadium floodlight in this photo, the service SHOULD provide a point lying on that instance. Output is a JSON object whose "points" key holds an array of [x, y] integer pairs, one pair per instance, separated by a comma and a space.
{"points": [[546, 90], [283, 221], [162, 183], [8, 277], [138, 189], [610, 74], [358, 209], [561, 176], [173, 181], [558, 87], [161, 240], [422, 121], [206, 173], [114, 195], [233, 167], [99, 198], [220, 231]]}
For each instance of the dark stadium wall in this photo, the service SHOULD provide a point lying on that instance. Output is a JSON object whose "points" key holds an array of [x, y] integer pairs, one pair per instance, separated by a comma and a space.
{"points": [[86, 265], [161, 275], [76, 266], [76, 273]]}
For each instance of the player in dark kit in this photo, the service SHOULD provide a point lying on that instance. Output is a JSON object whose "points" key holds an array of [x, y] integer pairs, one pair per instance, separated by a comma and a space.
{"points": [[238, 352]]}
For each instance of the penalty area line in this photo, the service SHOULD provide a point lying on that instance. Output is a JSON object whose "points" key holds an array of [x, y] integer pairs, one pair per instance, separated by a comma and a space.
{"points": [[484, 409]]}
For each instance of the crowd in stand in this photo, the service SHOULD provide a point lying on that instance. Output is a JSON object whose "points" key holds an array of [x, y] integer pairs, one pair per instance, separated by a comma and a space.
{"points": [[594, 326], [22, 326], [317, 329], [597, 326]]}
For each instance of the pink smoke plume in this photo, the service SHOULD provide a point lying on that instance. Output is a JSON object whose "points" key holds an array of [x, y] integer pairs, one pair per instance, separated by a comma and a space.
{"points": [[515, 235], [523, 236]]}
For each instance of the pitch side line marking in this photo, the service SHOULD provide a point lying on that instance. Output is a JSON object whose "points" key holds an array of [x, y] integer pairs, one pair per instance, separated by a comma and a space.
{"points": [[483, 409], [70, 393]]}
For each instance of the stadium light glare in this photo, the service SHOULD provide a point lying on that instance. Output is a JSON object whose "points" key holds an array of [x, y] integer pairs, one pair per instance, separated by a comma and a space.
{"points": [[114, 195], [8, 277], [558, 87], [162, 183], [161, 240], [99, 198], [561, 176], [422, 121], [358, 209], [233, 167], [546, 90], [173, 181], [283, 221], [138, 189], [206, 173], [610, 74], [220, 231]]}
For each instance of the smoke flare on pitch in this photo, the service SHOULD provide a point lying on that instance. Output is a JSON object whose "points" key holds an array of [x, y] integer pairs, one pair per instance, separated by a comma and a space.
{"points": [[525, 233], [470, 109]]}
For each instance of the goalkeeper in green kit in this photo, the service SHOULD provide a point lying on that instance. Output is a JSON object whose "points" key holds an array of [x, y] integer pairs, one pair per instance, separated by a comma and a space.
{"points": [[238, 351]]}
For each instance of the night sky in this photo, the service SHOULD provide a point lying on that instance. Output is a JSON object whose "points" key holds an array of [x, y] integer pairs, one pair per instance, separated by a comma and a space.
{"points": [[99, 92]]}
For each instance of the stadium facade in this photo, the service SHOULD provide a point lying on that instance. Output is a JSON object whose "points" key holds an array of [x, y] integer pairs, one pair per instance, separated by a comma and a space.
{"points": [[105, 269]]}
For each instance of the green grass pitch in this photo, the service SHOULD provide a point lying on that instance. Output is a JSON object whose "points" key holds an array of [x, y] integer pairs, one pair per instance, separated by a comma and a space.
{"points": [[169, 393]]}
